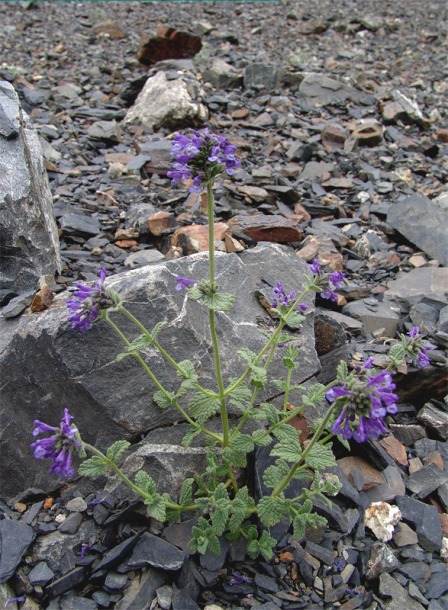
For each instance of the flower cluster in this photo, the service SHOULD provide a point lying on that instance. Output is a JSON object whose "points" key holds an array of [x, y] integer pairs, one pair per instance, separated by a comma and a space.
{"points": [[87, 302], [364, 398], [285, 300], [416, 348], [201, 158], [58, 447], [326, 282]]}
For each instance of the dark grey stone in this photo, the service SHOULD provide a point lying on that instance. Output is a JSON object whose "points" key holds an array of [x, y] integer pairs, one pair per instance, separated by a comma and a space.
{"points": [[155, 552], [72, 579], [141, 590], [266, 582], [425, 519], [437, 584], [76, 222], [71, 601], [319, 90], [426, 480], [117, 554], [182, 601], [259, 75], [115, 581], [71, 524], [40, 574], [423, 222], [435, 419], [28, 232], [15, 538]]}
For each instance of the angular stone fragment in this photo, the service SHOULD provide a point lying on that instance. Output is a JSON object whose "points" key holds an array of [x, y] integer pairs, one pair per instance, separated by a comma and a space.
{"points": [[259, 227], [435, 419], [374, 315], [15, 538], [319, 90], [396, 596], [194, 238], [424, 518], [425, 283], [426, 480], [168, 44], [155, 552], [28, 232], [167, 103], [424, 223]]}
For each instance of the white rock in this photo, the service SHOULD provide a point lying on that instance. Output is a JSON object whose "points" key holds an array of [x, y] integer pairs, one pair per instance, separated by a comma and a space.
{"points": [[381, 518]]}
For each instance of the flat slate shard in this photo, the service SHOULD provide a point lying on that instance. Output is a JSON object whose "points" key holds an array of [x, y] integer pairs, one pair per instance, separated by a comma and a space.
{"points": [[424, 223], [15, 538], [28, 233]]}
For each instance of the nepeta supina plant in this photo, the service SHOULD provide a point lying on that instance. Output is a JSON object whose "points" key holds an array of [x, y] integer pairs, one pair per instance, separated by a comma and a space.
{"points": [[358, 400]]}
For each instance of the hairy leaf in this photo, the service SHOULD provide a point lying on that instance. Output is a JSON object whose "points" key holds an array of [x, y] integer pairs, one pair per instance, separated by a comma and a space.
{"points": [[115, 451], [271, 510], [93, 467], [286, 433], [261, 439], [258, 376], [163, 400], [320, 457], [234, 458], [219, 301], [155, 507], [243, 443], [190, 436], [186, 492], [203, 407], [145, 482], [247, 355], [274, 474]]}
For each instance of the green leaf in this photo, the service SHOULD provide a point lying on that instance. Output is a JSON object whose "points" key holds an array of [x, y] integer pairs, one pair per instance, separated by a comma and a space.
{"points": [[320, 457], [204, 538], [274, 474], [190, 436], [299, 524], [397, 354], [269, 412], [239, 513], [221, 493], [342, 371], [115, 451], [247, 355], [188, 370], [240, 396], [93, 467], [289, 451], [286, 433], [164, 400], [261, 439], [313, 395], [186, 492], [203, 407], [234, 458], [258, 376], [271, 510], [266, 545], [155, 507], [145, 482], [219, 519], [220, 301], [243, 443], [158, 328], [295, 320]]}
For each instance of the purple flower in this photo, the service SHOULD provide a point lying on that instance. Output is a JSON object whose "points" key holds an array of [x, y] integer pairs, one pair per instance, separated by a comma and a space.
{"points": [[285, 300], [326, 282], [364, 398], [86, 303], [416, 348], [58, 447], [184, 282], [201, 157], [239, 579]]}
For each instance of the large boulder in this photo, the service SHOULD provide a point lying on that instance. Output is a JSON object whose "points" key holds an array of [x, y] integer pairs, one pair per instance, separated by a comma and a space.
{"points": [[48, 366], [28, 233]]}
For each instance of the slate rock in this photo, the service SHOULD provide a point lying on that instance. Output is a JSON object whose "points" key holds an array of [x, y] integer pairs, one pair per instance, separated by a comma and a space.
{"points": [[71, 524], [77, 222], [424, 518], [117, 554], [221, 74], [424, 283], [72, 579], [437, 584], [320, 90], [259, 75], [15, 538], [423, 222], [41, 574], [153, 551], [142, 589], [395, 596], [423, 482], [60, 360], [374, 315], [182, 601], [28, 232], [435, 419]]}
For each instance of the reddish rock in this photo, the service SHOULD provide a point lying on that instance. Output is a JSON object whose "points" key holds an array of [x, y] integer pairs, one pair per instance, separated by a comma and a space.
{"points": [[240, 113], [195, 237], [126, 244], [367, 133], [395, 449], [110, 28], [168, 44], [333, 137], [261, 227], [302, 212], [360, 473], [129, 234], [392, 112], [442, 135], [42, 300], [161, 222]]}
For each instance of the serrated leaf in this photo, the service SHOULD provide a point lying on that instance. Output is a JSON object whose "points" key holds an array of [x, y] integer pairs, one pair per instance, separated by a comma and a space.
{"points": [[320, 457], [289, 450], [155, 507], [145, 482], [214, 545], [253, 550], [240, 396], [286, 433], [266, 545], [275, 473], [219, 520], [164, 400], [243, 443], [295, 320], [219, 301], [188, 370], [221, 492], [397, 354], [202, 407], [313, 395], [234, 458], [158, 328], [115, 451], [258, 376], [247, 355], [261, 439], [271, 510], [93, 467], [238, 515], [190, 436], [299, 524], [342, 371], [269, 412], [186, 492]]}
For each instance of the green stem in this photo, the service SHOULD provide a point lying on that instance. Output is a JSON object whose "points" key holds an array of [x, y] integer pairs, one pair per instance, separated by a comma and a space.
{"points": [[287, 479], [211, 316], [158, 384]]}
